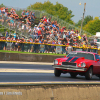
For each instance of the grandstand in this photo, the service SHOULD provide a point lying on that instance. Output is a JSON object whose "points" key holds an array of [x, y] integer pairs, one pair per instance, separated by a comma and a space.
{"points": [[38, 16]]}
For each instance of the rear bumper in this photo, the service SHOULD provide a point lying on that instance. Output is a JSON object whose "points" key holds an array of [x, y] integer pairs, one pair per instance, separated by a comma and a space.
{"points": [[67, 67]]}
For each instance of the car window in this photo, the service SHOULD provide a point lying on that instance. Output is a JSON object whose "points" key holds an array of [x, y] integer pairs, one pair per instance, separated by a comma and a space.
{"points": [[85, 55], [98, 40], [97, 57]]}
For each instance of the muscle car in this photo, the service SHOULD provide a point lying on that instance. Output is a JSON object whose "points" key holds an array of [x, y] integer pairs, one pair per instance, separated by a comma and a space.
{"points": [[78, 63]]}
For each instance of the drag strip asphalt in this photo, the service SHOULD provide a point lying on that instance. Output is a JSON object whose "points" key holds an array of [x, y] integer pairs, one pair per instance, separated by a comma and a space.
{"points": [[35, 72]]}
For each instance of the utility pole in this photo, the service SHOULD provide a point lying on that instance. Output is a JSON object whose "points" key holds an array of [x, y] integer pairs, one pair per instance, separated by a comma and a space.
{"points": [[82, 19]]}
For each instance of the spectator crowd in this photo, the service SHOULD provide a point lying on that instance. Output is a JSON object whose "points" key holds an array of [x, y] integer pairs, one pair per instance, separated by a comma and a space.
{"points": [[45, 32]]}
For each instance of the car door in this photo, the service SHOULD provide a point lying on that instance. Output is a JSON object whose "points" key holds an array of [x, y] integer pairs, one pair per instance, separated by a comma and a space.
{"points": [[99, 65], [96, 68]]}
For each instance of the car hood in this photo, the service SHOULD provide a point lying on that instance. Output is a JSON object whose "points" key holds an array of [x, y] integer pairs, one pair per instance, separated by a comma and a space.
{"points": [[73, 59]]}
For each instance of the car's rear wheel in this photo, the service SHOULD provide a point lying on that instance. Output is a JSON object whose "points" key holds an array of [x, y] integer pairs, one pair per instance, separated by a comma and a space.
{"points": [[88, 74], [57, 72], [73, 75]]}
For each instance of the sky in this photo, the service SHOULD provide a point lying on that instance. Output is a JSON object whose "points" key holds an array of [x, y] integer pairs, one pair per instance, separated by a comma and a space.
{"points": [[92, 6]]}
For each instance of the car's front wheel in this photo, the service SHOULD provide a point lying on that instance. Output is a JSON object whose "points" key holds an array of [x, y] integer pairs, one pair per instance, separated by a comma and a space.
{"points": [[88, 74], [57, 72], [73, 75]]}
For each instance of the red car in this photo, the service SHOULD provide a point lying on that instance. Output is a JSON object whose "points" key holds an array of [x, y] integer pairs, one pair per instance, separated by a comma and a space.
{"points": [[78, 63]]}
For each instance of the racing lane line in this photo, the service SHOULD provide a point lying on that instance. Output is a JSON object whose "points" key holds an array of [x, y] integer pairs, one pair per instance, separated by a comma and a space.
{"points": [[49, 83], [20, 62], [26, 70]]}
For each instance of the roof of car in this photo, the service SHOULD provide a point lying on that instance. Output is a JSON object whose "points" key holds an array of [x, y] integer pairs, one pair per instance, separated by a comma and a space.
{"points": [[85, 52]]}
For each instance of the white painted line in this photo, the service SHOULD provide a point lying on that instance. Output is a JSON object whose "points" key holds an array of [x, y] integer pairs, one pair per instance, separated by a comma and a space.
{"points": [[20, 62], [26, 70], [41, 83]]}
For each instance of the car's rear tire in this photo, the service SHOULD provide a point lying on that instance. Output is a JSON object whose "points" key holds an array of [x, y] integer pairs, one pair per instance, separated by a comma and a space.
{"points": [[57, 72], [73, 75], [88, 74]]}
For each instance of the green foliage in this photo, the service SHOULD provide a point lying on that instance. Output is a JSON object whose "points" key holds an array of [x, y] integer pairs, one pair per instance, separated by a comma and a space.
{"points": [[3, 29], [2, 5], [31, 53], [57, 10], [37, 6], [93, 26], [19, 12], [86, 20]]}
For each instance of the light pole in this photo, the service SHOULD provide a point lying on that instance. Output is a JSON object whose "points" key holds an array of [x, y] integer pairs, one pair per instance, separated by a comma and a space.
{"points": [[82, 18]]}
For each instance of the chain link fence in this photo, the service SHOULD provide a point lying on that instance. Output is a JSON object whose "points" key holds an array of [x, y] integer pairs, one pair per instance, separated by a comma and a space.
{"points": [[40, 14]]}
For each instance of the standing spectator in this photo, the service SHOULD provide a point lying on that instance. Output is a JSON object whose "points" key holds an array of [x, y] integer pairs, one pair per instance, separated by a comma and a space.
{"points": [[71, 41], [14, 35], [33, 14], [84, 39], [27, 13], [69, 49], [6, 34], [3, 10], [53, 47]]}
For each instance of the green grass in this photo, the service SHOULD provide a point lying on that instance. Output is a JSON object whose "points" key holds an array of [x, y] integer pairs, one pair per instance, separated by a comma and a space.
{"points": [[31, 53]]}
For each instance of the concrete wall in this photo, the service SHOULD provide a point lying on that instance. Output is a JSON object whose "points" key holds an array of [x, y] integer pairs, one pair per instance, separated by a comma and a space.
{"points": [[46, 92], [27, 57], [51, 92]]}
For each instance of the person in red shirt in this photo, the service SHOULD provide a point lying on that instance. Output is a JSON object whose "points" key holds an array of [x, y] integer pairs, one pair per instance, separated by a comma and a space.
{"points": [[39, 32], [45, 19]]}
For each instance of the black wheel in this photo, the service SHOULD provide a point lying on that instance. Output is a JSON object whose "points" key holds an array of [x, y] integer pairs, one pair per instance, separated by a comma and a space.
{"points": [[57, 73], [88, 74], [98, 76], [73, 75]]}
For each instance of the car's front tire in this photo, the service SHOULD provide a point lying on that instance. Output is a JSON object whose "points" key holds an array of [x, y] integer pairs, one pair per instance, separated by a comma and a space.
{"points": [[98, 76], [88, 74], [73, 75], [57, 72]]}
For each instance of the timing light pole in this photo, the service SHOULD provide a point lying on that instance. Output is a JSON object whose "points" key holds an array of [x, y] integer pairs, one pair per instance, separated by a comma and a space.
{"points": [[82, 19]]}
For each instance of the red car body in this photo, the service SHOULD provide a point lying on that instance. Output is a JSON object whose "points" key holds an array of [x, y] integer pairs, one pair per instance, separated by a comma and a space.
{"points": [[78, 62]]}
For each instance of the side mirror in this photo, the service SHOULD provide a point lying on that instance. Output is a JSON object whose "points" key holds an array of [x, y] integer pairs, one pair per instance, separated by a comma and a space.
{"points": [[64, 56], [83, 57], [97, 59]]}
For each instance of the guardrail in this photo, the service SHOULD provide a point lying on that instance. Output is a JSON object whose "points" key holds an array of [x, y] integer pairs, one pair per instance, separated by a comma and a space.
{"points": [[41, 47]]}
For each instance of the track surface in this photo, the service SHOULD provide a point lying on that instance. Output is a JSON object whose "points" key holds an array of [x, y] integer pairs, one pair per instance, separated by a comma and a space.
{"points": [[35, 73]]}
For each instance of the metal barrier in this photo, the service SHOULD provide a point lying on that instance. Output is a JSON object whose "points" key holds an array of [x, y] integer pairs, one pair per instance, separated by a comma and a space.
{"points": [[40, 47], [13, 26]]}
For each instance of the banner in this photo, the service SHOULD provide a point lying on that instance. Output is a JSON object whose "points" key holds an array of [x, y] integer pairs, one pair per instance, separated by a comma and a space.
{"points": [[42, 48], [58, 49], [9, 44], [78, 49]]}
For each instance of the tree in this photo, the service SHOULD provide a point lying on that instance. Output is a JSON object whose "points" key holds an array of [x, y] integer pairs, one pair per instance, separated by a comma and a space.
{"points": [[93, 26], [36, 6], [2, 5], [86, 20], [57, 10]]}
